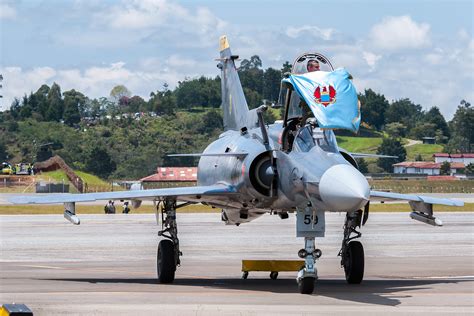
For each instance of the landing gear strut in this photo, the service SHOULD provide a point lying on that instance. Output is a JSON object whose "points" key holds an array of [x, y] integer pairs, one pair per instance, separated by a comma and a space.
{"points": [[309, 274], [352, 252], [168, 249], [310, 223]]}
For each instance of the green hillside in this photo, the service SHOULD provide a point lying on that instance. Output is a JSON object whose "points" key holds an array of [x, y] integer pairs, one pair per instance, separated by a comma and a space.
{"points": [[425, 150], [359, 144]]}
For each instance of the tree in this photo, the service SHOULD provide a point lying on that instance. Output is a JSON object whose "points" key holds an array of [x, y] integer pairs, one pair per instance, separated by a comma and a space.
{"points": [[3, 152], [363, 167], [462, 127], [99, 162], [457, 144], [42, 99], [435, 117], [164, 101], [390, 147], [286, 67], [211, 120], [373, 107], [423, 130], [15, 108], [25, 110], [254, 99], [251, 76], [33, 103], [200, 92], [405, 112], [74, 107], [396, 129], [55, 102], [71, 112], [168, 103], [254, 63], [418, 158], [136, 104], [271, 84], [118, 92], [445, 168], [470, 168]]}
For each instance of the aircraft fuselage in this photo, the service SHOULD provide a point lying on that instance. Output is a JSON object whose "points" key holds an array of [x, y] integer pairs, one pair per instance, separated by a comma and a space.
{"points": [[269, 179]]}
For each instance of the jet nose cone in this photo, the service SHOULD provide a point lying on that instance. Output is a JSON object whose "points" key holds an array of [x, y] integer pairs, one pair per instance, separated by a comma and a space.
{"points": [[343, 188]]}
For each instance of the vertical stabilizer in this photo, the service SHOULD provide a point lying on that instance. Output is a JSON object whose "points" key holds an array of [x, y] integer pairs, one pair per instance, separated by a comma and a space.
{"points": [[234, 105]]}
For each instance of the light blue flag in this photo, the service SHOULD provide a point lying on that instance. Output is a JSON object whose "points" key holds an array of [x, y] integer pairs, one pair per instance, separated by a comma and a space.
{"points": [[331, 96]]}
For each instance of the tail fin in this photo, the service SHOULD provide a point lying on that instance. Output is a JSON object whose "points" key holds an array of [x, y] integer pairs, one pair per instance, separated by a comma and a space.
{"points": [[234, 105]]}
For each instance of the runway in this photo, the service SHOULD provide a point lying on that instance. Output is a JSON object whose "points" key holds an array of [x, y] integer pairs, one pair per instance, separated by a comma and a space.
{"points": [[106, 266]]}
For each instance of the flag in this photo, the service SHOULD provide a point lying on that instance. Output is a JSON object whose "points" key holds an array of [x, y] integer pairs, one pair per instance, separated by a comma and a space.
{"points": [[331, 97]]}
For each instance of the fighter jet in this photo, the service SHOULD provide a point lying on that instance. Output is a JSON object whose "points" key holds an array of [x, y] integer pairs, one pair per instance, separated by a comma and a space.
{"points": [[293, 166]]}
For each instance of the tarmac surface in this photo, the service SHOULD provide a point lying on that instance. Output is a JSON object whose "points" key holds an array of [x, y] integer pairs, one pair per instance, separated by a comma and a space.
{"points": [[107, 266]]}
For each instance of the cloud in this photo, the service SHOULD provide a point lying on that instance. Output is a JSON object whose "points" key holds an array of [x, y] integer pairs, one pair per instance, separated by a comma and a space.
{"points": [[312, 31], [371, 58], [7, 12], [143, 44], [153, 14], [97, 81], [401, 32]]}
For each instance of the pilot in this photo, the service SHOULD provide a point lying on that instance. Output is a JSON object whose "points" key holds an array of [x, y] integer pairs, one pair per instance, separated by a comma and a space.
{"points": [[312, 65]]}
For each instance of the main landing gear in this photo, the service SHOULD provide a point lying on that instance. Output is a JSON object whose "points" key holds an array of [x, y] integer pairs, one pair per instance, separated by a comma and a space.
{"points": [[352, 252], [168, 249]]}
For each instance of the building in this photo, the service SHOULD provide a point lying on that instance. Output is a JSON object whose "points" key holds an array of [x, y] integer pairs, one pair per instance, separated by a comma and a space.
{"points": [[425, 167], [466, 158], [429, 140], [166, 177]]}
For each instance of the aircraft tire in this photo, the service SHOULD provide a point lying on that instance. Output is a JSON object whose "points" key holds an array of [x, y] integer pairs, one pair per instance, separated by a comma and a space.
{"points": [[165, 263], [306, 285], [354, 262]]}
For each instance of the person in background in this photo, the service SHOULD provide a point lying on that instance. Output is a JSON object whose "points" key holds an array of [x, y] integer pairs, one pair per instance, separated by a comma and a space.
{"points": [[126, 209], [110, 208]]}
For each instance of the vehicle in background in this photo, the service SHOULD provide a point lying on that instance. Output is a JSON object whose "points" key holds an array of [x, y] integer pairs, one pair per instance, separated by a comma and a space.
{"points": [[23, 168], [7, 168]]}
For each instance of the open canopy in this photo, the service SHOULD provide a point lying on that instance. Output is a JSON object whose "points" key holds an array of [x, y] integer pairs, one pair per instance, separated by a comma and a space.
{"points": [[331, 96]]}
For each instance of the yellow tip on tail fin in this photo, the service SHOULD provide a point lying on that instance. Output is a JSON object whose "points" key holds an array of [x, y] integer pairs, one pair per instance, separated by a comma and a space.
{"points": [[223, 43]]}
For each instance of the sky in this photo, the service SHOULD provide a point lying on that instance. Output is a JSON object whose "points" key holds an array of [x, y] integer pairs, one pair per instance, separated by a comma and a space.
{"points": [[422, 50]]}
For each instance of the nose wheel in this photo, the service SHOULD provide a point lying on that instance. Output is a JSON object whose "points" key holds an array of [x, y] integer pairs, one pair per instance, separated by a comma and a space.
{"points": [[306, 285]]}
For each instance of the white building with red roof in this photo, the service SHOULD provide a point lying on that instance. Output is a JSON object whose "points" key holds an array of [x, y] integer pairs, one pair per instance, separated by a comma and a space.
{"points": [[171, 176], [466, 158], [425, 167]]}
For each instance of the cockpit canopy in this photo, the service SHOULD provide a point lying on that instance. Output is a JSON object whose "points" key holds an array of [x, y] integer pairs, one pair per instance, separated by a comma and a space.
{"points": [[291, 101], [300, 65], [298, 135]]}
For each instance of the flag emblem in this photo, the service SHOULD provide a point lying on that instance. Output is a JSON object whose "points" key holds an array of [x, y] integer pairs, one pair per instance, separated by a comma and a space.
{"points": [[325, 95]]}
